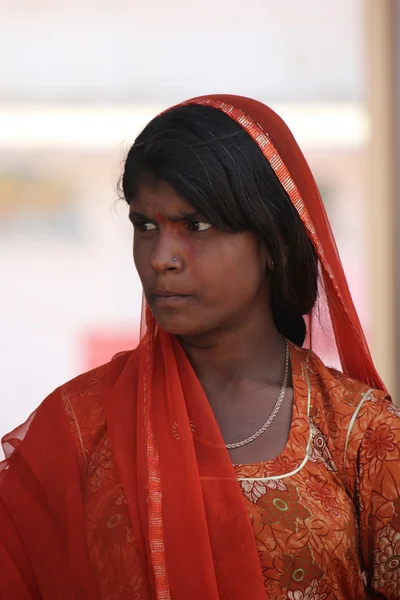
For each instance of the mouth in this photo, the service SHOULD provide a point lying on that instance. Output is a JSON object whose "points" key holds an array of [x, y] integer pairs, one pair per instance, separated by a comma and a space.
{"points": [[170, 298]]}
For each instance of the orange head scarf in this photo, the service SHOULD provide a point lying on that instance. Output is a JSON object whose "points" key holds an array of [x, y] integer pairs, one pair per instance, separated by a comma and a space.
{"points": [[200, 541]]}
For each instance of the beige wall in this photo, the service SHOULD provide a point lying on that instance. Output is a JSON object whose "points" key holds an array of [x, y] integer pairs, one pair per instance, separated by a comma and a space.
{"points": [[381, 193]]}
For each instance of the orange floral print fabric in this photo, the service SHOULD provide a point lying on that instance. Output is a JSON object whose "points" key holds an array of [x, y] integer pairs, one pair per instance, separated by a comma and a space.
{"points": [[326, 512]]}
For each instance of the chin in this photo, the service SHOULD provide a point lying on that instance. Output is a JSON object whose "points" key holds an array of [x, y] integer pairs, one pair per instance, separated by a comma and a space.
{"points": [[179, 325], [179, 329]]}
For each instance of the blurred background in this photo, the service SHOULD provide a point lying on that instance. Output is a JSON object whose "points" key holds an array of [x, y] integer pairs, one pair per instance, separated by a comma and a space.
{"points": [[78, 81]]}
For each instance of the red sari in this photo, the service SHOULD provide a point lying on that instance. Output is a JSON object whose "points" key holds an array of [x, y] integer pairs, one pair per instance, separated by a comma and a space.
{"points": [[120, 486]]}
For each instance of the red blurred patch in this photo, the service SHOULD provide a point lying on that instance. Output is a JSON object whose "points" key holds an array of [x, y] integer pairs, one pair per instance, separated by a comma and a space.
{"points": [[100, 346]]}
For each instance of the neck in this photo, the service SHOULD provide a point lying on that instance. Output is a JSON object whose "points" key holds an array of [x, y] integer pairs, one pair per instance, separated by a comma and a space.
{"points": [[252, 349]]}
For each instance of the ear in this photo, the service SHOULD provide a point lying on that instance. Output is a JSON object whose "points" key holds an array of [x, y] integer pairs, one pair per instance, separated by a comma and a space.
{"points": [[265, 255], [284, 259]]}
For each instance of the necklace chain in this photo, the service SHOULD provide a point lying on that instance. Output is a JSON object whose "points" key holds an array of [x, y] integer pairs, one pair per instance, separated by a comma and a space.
{"points": [[274, 411]]}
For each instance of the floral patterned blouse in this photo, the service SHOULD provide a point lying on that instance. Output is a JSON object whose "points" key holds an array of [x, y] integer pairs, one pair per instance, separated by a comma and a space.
{"points": [[326, 511]]}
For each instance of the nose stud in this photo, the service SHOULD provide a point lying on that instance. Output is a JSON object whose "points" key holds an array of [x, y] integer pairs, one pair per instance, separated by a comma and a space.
{"points": [[174, 259]]}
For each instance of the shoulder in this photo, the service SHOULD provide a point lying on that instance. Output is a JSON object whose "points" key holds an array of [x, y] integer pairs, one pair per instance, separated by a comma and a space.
{"points": [[349, 408], [82, 400], [70, 420], [95, 382], [337, 391], [360, 424]]}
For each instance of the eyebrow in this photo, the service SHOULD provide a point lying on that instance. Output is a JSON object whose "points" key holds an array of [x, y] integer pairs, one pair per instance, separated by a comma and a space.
{"points": [[176, 218]]}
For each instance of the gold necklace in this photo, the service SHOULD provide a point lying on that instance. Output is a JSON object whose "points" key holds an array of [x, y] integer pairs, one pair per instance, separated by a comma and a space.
{"points": [[274, 410]]}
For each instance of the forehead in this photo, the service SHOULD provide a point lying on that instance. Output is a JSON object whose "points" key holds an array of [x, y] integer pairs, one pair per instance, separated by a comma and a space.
{"points": [[158, 197]]}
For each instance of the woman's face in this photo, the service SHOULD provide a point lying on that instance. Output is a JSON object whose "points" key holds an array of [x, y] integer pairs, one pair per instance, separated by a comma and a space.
{"points": [[196, 278]]}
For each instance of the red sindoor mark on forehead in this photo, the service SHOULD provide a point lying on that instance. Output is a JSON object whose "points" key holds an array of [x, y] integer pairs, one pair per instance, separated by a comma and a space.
{"points": [[174, 224]]}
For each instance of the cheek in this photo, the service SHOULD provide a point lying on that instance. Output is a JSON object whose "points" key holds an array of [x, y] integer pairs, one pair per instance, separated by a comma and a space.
{"points": [[244, 277], [235, 268]]}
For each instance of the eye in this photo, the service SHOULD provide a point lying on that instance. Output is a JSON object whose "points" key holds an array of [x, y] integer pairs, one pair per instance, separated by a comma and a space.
{"points": [[199, 226], [144, 226]]}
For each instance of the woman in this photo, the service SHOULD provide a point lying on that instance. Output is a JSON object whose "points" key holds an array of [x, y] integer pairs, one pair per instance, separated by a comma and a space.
{"points": [[221, 458]]}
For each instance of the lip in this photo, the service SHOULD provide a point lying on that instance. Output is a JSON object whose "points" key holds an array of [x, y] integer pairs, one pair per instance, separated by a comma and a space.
{"points": [[165, 298], [170, 299], [165, 294]]}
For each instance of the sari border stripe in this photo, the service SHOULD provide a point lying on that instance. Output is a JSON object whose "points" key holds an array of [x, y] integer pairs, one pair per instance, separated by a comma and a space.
{"points": [[155, 522]]}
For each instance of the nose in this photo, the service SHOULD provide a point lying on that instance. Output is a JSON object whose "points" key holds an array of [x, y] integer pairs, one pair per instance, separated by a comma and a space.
{"points": [[166, 255]]}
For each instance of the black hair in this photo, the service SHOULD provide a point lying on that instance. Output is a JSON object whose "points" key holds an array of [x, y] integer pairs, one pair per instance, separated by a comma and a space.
{"points": [[216, 166]]}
